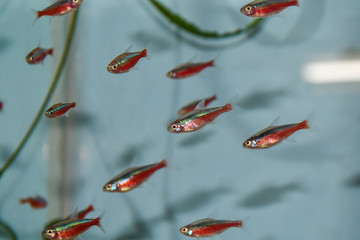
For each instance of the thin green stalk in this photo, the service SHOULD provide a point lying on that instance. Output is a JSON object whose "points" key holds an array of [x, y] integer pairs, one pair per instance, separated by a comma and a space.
{"points": [[192, 28], [8, 229], [54, 82]]}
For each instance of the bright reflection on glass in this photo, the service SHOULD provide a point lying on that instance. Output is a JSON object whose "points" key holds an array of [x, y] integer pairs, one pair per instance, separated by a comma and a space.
{"points": [[339, 71]]}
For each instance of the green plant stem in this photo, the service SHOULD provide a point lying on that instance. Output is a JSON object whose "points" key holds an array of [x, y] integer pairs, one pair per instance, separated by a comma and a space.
{"points": [[192, 28], [8, 230], [54, 82]]}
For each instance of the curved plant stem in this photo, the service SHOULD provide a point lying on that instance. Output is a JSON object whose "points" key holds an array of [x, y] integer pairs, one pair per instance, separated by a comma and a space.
{"points": [[192, 28], [47, 98], [8, 230]]}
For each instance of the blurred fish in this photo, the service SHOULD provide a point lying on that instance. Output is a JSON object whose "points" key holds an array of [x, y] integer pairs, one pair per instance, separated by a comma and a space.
{"points": [[70, 228], [59, 109], [38, 55], [191, 106], [189, 69], [35, 202], [194, 120], [265, 8], [60, 7], [208, 227], [132, 177], [273, 135], [82, 213], [1, 105], [125, 61]]}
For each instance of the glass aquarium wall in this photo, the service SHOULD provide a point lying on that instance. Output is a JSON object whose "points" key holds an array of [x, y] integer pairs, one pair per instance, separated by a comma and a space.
{"points": [[299, 64]]}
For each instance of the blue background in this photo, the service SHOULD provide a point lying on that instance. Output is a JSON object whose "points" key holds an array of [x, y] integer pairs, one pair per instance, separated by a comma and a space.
{"points": [[303, 190]]}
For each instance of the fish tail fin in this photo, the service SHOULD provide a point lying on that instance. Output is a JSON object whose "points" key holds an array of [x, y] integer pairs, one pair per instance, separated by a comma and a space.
{"points": [[304, 125], [90, 208], [38, 14], [228, 107], [144, 52], [22, 201], [243, 224], [97, 222], [51, 51], [73, 104], [211, 63], [296, 3], [163, 163]]}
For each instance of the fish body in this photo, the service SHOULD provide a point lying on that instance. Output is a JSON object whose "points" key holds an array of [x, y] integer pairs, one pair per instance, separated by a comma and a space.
{"points": [[132, 177], [70, 228], [273, 135], [197, 119], [60, 7], [265, 8], [191, 106], [189, 69], [35, 202], [59, 109], [125, 61], [208, 227], [1, 105], [38, 55]]}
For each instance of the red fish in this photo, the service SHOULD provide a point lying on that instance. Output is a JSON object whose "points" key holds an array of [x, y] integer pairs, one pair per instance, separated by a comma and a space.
{"points": [[125, 61], [191, 106], [60, 7], [273, 135], [38, 55], [59, 109], [70, 228], [132, 177], [208, 227], [197, 119], [265, 8], [83, 213], [35, 202], [1, 105], [189, 69]]}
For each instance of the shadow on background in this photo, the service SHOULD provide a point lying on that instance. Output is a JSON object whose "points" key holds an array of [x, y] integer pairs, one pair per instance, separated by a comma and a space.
{"points": [[196, 138], [269, 195], [262, 99]]}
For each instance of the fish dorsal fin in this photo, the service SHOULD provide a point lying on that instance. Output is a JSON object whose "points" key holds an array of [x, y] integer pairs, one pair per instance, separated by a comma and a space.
{"points": [[275, 122], [128, 49], [200, 105], [74, 214], [202, 220]]}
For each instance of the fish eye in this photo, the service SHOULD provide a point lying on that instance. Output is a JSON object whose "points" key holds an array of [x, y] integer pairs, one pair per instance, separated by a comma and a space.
{"points": [[113, 67], [31, 58], [49, 232], [174, 126], [248, 9], [108, 187], [50, 113], [75, 1], [184, 230], [248, 143]]}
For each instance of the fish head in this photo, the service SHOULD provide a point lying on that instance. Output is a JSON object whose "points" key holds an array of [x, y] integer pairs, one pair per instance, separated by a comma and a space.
{"points": [[75, 3], [30, 58], [50, 233], [171, 74], [110, 187], [250, 143], [50, 113], [248, 10], [175, 127], [113, 67], [186, 230]]}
